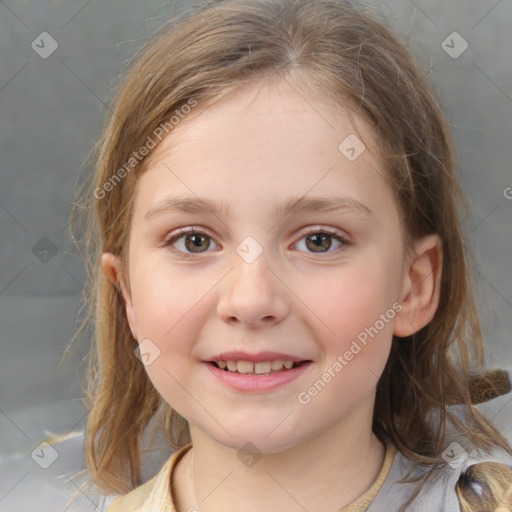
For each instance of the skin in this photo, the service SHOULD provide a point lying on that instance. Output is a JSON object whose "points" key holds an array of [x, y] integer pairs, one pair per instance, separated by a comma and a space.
{"points": [[261, 144]]}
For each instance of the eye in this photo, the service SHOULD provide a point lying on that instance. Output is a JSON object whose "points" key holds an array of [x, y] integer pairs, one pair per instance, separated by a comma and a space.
{"points": [[321, 240], [190, 240]]}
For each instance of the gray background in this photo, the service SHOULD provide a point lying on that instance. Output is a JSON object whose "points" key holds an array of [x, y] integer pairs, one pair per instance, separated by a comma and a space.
{"points": [[51, 113]]}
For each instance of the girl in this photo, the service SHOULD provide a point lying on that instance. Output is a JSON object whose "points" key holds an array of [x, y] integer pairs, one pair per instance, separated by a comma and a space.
{"points": [[278, 275]]}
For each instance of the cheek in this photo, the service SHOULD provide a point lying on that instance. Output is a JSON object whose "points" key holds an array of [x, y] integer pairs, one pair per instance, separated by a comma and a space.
{"points": [[354, 329], [171, 313], [353, 317], [168, 302], [350, 300]]}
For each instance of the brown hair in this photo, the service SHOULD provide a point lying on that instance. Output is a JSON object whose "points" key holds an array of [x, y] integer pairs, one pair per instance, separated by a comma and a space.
{"points": [[330, 47]]}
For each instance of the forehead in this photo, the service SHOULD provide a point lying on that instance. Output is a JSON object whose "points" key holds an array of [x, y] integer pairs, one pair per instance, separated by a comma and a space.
{"points": [[267, 106], [264, 137]]}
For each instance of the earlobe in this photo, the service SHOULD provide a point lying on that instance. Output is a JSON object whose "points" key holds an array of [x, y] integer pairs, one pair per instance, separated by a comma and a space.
{"points": [[111, 266], [421, 288]]}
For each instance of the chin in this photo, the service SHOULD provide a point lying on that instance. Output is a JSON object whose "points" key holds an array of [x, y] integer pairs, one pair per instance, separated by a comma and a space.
{"points": [[258, 441]]}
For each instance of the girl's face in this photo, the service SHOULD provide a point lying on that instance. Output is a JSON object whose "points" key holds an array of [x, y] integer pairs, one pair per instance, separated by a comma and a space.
{"points": [[319, 282]]}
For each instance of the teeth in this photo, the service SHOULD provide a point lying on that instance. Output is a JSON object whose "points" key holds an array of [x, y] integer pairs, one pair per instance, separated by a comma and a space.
{"points": [[263, 367], [244, 366], [277, 365], [260, 368]]}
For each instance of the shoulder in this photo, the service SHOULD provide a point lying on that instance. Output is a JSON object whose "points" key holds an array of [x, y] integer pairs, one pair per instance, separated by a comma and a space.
{"points": [[440, 490], [153, 494], [134, 500]]}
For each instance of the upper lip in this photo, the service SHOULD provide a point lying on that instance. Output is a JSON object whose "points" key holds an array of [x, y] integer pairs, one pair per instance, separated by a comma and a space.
{"points": [[239, 355]]}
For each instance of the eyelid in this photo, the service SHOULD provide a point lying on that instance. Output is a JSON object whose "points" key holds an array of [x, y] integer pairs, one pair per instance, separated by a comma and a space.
{"points": [[322, 229]]}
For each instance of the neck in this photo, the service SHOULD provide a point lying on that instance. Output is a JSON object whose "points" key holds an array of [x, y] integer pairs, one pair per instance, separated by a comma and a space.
{"points": [[325, 473]]}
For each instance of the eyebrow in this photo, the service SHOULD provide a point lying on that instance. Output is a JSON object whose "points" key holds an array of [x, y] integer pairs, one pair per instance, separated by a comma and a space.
{"points": [[323, 204]]}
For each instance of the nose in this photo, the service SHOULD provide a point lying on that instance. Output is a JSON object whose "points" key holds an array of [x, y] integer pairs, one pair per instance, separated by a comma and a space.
{"points": [[253, 295]]}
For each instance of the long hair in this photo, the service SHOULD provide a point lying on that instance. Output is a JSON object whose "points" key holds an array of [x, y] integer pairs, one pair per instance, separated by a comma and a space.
{"points": [[343, 52]]}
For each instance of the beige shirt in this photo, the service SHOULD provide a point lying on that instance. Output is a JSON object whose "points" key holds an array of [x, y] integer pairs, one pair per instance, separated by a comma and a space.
{"points": [[156, 496]]}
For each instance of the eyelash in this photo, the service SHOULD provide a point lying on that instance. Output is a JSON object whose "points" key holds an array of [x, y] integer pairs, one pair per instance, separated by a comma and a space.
{"points": [[303, 234]]}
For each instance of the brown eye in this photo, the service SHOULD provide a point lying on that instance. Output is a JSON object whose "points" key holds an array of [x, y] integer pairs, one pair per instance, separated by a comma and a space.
{"points": [[319, 242], [197, 242], [322, 241], [189, 242]]}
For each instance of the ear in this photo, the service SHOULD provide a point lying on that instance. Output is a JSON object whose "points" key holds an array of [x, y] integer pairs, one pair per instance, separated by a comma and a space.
{"points": [[111, 266], [421, 287]]}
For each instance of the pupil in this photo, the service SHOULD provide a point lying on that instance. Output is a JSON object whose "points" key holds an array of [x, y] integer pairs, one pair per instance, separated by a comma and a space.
{"points": [[319, 241]]}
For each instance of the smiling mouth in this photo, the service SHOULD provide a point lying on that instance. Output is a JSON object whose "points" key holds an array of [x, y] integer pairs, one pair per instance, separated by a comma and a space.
{"points": [[261, 368]]}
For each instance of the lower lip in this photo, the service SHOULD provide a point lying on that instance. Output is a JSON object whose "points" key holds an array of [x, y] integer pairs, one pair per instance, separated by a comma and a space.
{"points": [[243, 382]]}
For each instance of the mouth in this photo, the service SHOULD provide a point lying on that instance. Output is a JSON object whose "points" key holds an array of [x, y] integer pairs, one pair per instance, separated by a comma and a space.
{"points": [[258, 369]]}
